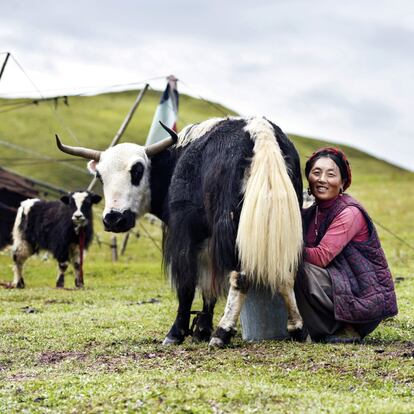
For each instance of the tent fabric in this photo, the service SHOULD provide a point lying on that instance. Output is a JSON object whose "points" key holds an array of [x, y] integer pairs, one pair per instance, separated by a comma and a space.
{"points": [[15, 183], [166, 112], [13, 190]]}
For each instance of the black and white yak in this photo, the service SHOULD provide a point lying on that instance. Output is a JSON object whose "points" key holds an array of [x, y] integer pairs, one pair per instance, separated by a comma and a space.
{"points": [[229, 192], [63, 228]]}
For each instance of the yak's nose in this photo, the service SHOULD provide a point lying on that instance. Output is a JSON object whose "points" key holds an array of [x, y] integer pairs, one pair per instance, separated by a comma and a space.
{"points": [[119, 222], [112, 219], [78, 218]]}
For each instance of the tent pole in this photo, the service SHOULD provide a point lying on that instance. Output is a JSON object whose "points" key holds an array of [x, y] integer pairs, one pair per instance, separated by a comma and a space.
{"points": [[4, 64]]}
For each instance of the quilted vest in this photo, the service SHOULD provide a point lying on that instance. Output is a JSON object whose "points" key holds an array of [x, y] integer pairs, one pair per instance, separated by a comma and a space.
{"points": [[362, 285]]}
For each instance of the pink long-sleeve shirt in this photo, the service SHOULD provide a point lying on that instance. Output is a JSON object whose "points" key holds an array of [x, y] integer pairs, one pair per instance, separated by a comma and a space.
{"points": [[349, 225]]}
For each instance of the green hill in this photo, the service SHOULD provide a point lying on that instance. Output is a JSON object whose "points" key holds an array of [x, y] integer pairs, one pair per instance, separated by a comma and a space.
{"points": [[94, 120]]}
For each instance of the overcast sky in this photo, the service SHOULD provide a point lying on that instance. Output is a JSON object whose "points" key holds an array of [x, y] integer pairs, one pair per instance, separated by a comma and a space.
{"points": [[341, 71]]}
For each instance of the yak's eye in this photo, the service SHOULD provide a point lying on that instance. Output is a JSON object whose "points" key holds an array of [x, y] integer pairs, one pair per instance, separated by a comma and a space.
{"points": [[137, 171]]}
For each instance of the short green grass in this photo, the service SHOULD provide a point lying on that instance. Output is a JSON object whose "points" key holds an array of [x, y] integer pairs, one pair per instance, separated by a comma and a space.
{"points": [[98, 350]]}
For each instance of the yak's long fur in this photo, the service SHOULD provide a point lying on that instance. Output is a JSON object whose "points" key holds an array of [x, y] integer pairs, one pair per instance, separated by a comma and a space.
{"points": [[269, 236]]}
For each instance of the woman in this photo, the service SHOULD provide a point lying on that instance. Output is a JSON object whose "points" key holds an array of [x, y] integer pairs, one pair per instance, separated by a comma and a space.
{"points": [[346, 288]]}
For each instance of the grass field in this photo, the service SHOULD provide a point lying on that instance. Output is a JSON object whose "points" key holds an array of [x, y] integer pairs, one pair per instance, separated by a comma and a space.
{"points": [[99, 349]]}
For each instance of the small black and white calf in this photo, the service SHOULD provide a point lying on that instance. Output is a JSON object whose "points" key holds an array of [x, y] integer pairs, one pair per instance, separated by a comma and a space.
{"points": [[60, 227], [229, 192]]}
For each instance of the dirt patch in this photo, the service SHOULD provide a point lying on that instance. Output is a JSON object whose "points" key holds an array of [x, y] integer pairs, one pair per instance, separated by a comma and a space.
{"points": [[180, 359], [145, 302], [54, 357], [21, 377], [58, 302], [396, 350], [4, 365], [257, 354], [111, 363]]}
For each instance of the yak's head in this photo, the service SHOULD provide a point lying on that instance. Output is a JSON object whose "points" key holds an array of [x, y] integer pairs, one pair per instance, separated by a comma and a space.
{"points": [[80, 204], [124, 171]]}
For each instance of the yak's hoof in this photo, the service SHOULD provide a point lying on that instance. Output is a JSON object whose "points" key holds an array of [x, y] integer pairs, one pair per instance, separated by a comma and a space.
{"points": [[60, 281], [222, 337], [215, 343], [78, 284], [171, 340], [202, 335], [19, 284], [294, 325], [299, 335]]}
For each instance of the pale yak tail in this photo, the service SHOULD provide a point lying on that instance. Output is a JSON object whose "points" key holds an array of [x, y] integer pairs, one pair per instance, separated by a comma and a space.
{"points": [[269, 237]]}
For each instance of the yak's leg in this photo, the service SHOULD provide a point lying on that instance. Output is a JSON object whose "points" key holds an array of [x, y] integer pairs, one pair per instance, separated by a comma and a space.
{"points": [[295, 322], [204, 325], [60, 280], [21, 252], [235, 299], [77, 267], [180, 328]]}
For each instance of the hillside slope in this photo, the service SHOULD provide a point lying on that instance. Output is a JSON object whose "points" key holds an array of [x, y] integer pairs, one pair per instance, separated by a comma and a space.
{"points": [[94, 120]]}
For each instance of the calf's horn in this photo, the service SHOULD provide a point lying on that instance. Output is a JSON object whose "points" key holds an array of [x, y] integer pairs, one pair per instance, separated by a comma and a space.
{"points": [[87, 153], [164, 144]]}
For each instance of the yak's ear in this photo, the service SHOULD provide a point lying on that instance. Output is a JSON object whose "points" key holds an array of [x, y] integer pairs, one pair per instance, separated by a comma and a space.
{"points": [[92, 166], [64, 199], [96, 198]]}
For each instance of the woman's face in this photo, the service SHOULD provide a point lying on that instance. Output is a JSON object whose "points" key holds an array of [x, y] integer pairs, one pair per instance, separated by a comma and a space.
{"points": [[325, 179]]}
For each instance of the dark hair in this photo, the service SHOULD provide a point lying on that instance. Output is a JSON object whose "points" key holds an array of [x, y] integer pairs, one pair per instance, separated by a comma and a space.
{"points": [[338, 157]]}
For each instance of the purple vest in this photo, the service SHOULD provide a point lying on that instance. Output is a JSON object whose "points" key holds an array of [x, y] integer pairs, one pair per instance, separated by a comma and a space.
{"points": [[362, 285]]}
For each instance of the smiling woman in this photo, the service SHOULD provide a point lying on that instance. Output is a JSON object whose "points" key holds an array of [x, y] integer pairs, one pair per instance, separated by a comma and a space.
{"points": [[325, 180], [346, 288]]}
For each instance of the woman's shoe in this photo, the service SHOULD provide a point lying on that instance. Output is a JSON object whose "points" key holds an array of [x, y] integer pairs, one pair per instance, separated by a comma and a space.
{"points": [[346, 335]]}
